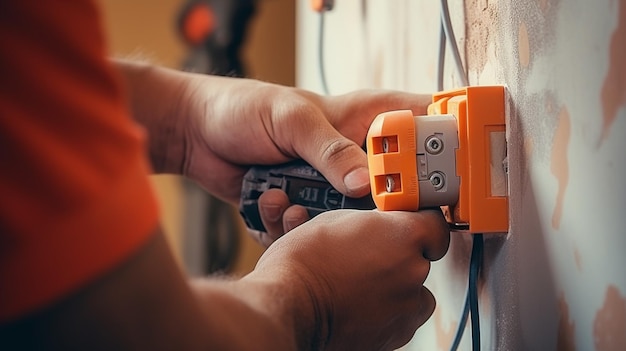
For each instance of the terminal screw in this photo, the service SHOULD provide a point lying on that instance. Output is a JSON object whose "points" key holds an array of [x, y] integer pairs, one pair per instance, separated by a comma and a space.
{"points": [[385, 145], [434, 145], [390, 184], [437, 179]]}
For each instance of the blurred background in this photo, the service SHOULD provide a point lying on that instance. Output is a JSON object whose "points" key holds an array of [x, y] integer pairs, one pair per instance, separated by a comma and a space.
{"points": [[255, 39]]}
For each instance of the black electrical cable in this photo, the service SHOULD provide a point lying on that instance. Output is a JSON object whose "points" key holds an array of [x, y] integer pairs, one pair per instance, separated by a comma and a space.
{"points": [[459, 332], [475, 262], [321, 54], [471, 297]]}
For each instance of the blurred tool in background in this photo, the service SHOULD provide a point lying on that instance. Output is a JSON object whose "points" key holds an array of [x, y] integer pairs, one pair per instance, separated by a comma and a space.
{"points": [[214, 31]]}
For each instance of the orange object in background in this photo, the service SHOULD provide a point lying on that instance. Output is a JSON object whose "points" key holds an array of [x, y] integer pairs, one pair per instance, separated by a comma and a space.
{"points": [[197, 23], [482, 205], [322, 5]]}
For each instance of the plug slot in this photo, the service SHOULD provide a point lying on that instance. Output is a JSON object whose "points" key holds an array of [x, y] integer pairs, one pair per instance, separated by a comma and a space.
{"points": [[385, 144], [388, 183]]}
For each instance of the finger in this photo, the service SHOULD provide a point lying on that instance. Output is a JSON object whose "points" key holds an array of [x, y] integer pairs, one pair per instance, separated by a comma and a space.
{"points": [[434, 234], [294, 216], [302, 130], [339, 159], [416, 317], [428, 304], [272, 205], [353, 113]]}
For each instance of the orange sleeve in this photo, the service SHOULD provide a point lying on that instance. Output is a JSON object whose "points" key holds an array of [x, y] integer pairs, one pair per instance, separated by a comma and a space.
{"points": [[75, 199]]}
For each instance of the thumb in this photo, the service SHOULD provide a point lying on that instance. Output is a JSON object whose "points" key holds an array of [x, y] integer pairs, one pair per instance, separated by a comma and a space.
{"points": [[342, 162]]}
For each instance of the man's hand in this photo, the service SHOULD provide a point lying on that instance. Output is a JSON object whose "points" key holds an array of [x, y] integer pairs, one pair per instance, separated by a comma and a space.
{"points": [[212, 129], [362, 272], [235, 123], [344, 280]]}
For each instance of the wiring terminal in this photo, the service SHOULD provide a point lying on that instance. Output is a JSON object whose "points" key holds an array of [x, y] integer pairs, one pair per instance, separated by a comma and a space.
{"points": [[453, 157]]}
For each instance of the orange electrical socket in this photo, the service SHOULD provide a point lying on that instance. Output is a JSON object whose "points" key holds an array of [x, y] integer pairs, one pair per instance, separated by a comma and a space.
{"points": [[392, 163], [482, 205], [480, 112]]}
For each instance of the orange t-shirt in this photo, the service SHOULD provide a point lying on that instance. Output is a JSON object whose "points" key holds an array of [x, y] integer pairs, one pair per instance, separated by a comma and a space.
{"points": [[75, 199]]}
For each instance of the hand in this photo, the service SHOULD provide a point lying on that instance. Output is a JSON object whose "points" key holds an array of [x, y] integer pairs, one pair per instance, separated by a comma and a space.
{"points": [[351, 115], [361, 273], [234, 123], [212, 129]]}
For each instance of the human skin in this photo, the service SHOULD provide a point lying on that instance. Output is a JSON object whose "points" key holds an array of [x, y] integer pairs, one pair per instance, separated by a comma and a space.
{"points": [[346, 279], [221, 126], [229, 124]]}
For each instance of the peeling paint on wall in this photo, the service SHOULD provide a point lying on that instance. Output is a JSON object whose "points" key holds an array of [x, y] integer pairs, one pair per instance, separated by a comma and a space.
{"points": [[444, 334], [559, 163], [609, 327], [523, 46], [614, 88], [544, 5], [578, 260], [481, 17], [567, 328]]}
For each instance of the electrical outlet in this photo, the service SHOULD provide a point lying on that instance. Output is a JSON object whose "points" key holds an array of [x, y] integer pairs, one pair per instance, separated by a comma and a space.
{"points": [[453, 157]]}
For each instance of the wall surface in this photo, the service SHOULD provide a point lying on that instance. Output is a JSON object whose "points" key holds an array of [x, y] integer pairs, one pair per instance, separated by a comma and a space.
{"points": [[557, 280]]}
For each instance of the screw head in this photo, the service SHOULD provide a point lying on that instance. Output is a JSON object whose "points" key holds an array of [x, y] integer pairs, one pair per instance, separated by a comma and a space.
{"points": [[389, 184], [437, 179], [385, 145], [433, 145]]}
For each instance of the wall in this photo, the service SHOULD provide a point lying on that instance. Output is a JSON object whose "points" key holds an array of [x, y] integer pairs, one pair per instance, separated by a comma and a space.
{"points": [[556, 280]]}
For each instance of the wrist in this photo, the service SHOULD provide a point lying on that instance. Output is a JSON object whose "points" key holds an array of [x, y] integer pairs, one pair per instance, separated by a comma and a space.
{"points": [[295, 305], [250, 314], [156, 101]]}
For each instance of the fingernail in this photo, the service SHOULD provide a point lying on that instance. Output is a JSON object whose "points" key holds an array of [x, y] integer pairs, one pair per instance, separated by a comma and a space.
{"points": [[357, 179], [271, 212]]}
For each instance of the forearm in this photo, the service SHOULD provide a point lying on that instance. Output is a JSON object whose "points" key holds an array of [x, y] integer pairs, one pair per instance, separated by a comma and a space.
{"points": [[146, 304], [257, 314]]}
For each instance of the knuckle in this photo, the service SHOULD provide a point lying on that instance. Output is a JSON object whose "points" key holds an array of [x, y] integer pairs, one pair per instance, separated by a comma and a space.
{"points": [[286, 105], [336, 150]]}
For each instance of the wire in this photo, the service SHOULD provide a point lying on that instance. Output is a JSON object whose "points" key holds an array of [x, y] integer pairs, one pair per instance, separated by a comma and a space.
{"points": [[462, 323], [441, 57], [447, 27], [475, 261], [321, 54], [471, 297]]}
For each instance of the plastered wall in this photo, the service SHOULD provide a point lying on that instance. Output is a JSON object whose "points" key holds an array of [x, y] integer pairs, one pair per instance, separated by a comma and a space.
{"points": [[557, 281]]}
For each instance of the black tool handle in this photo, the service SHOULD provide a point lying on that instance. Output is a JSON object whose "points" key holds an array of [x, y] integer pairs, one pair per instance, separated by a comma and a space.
{"points": [[303, 184]]}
